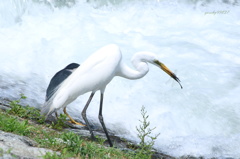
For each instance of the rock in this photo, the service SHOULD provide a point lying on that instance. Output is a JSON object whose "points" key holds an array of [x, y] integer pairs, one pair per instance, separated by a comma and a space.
{"points": [[15, 146], [4, 107], [118, 142]]}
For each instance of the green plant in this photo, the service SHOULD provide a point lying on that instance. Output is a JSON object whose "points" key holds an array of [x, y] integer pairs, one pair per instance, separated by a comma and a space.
{"points": [[12, 124], [144, 134], [16, 108], [69, 144], [100, 140], [73, 142], [49, 139], [53, 155], [60, 123], [26, 112]]}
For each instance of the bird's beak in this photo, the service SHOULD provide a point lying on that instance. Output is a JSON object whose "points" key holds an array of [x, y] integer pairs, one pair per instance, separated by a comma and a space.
{"points": [[165, 69]]}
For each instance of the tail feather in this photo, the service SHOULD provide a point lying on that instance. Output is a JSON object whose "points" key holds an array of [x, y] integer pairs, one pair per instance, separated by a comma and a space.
{"points": [[47, 109]]}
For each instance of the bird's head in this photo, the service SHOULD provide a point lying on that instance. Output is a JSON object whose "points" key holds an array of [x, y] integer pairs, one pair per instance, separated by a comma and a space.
{"points": [[141, 59], [165, 69]]}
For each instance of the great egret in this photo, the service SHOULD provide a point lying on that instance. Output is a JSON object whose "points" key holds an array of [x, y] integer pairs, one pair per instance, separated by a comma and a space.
{"points": [[95, 74], [56, 80]]}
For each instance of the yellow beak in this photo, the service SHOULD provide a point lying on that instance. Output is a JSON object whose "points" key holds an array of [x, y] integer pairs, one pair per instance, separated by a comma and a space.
{"points": [[165, 69]]}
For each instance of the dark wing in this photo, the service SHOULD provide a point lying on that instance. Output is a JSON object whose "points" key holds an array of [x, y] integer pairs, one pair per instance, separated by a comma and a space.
{"points": [[58, 78], [72, 66]]}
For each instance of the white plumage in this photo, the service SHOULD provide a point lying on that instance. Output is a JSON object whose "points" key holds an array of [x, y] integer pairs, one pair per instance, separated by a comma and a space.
{"points": [[95, 73]]}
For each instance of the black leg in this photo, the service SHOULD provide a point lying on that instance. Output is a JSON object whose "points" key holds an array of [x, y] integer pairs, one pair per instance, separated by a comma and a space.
{"points": [[56, 114], [84, 114], [100, 117]]}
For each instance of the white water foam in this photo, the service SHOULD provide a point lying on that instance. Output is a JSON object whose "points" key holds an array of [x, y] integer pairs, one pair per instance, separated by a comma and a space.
{"points": [[199, 42]]}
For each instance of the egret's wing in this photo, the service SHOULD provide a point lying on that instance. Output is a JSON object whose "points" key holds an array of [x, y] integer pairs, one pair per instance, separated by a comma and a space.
{"points": [[57, 79], [53, 86]]}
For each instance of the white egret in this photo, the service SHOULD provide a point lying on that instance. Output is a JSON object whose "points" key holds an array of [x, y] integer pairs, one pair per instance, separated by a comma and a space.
{"points": [[56, 80], [95, 74]]}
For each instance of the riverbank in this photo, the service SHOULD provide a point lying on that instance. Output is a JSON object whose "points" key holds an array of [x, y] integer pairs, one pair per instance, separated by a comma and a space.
{"points": [[22, 140]]}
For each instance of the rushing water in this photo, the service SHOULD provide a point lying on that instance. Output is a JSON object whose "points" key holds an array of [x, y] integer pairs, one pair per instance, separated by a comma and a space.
{"points": [[198, 40]]}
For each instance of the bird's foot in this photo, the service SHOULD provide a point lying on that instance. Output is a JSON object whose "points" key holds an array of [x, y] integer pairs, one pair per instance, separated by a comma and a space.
{"points": [[77, 123]]}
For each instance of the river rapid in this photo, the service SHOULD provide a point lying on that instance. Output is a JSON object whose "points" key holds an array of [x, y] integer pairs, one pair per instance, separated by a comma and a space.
{"points": [[198, 40]]}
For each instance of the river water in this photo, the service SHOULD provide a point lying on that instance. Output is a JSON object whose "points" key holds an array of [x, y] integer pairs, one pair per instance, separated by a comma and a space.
{"points": [[198, 40]]}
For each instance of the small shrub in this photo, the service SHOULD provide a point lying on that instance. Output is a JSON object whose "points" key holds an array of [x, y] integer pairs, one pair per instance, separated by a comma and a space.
{"points": [[144, 133]]}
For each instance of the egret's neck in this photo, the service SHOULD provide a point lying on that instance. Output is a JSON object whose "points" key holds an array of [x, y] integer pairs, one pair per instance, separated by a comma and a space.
{"points": [[129, 73], [139, 61]]}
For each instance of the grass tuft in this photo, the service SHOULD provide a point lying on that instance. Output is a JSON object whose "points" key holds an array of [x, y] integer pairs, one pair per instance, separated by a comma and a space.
{"points": [[25, 112], [68, 144]]}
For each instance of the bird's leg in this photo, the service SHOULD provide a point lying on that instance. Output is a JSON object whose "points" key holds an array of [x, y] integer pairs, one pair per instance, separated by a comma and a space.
{"points": [[56, 114], [71, 119], [100, 117], [85, 116]]}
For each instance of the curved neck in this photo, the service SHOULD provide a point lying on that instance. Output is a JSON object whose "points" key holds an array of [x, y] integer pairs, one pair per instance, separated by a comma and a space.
{"points": [[129, 73], [139, 61]]}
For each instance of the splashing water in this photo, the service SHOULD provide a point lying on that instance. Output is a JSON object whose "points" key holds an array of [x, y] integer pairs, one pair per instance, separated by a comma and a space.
{"points": [[198, 40]]}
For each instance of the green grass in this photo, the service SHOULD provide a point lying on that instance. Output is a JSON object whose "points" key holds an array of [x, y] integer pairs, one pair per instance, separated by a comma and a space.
{"points": [[11, 124], [70, 145]]}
